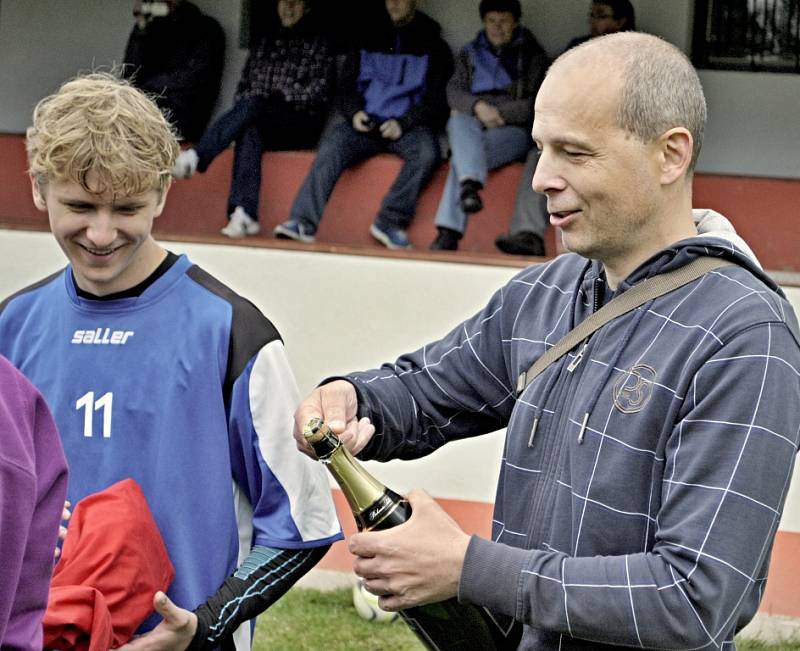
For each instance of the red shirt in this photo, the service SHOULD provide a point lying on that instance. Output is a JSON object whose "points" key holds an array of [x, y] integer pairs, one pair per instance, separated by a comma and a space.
{"points": [[112, 563]]}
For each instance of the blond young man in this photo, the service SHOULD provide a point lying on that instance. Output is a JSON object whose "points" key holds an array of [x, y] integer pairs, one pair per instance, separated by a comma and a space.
{"points": [[156, 371]]}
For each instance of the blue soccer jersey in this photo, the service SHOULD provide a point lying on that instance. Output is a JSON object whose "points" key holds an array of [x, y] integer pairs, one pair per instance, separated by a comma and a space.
{"points": [[185, 388]]}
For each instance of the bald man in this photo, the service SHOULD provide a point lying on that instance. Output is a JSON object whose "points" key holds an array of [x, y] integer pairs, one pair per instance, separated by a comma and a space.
{"points": [[644, 473]]}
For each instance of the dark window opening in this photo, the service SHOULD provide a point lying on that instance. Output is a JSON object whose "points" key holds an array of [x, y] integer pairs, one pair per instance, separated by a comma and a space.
{"points": [[757, 35]]}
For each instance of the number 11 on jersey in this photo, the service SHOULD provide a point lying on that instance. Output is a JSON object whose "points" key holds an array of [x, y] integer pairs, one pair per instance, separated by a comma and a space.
{"points": [[89, 406]]}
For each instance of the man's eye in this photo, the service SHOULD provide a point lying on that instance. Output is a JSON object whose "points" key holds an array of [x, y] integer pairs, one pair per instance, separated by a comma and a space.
{"points": [[127, 210], [79, 208], [574, 154]]}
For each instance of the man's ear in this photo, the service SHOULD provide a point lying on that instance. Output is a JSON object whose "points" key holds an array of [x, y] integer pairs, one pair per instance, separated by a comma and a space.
{"points": [[675, 154], [163, 199], [38, 195]]}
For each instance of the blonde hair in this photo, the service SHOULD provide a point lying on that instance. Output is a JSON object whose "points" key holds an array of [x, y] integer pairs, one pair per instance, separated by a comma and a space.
{"points": [[100, 123]]}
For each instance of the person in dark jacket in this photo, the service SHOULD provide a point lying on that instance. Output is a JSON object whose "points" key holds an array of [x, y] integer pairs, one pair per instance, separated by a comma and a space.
{"points": [[33, 485], [491, 96], [282, 103], [529, 220], [176, 53], [644, 472], [393, 96]]}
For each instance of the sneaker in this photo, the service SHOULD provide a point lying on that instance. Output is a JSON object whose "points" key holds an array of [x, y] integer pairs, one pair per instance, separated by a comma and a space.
{"points": [[471, 201], [185, 164], [293, 230], [446, 240], [391, 238], [522, 243], [240, 225]]}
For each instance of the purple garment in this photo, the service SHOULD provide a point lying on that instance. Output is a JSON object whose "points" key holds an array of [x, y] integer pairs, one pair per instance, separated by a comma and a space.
{"points": [[33, 486]]}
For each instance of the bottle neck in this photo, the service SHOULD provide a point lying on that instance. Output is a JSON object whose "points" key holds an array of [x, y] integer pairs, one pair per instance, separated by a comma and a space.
{"points": [[360, 488]]}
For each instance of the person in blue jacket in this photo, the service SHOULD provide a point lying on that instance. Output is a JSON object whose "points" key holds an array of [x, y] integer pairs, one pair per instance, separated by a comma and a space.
{"points": [[156, 371], [393, 98], [491, 97], [645, 472]]}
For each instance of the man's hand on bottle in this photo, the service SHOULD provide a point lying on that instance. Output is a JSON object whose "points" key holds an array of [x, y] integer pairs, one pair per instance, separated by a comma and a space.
{"points": [[417, 562], [337, 404]]}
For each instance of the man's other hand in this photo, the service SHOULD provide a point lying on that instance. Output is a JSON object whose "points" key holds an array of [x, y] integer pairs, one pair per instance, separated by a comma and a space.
{"points": [[418, 562]]}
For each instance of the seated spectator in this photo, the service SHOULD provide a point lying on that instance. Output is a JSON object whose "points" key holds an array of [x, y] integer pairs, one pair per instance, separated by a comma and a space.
{"points": [[491, 96], [530, 218], [282, 103], [33, 485], [607, 17], [176, 53], [393, 96]]}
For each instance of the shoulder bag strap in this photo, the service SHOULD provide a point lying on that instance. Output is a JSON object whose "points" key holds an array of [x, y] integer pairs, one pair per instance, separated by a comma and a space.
{"points": [[637, 295]]}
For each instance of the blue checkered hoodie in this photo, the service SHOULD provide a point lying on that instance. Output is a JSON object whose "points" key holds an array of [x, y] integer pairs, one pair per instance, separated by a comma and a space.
{"points": [[643, 475]]}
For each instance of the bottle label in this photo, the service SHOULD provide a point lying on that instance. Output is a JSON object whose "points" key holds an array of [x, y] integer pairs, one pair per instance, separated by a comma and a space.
{"points": [[387, 511]]}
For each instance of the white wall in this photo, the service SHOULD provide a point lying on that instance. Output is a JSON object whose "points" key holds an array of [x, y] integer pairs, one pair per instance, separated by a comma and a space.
{"points": [[341, 313], [753, 125], [45, 42]]}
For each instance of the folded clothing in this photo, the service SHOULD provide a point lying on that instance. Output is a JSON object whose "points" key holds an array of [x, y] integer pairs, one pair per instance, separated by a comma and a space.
{"points": [[112, 563]]}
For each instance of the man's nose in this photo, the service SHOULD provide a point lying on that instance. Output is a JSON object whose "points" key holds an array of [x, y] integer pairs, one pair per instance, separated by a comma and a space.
{"points": [[545, 176]]}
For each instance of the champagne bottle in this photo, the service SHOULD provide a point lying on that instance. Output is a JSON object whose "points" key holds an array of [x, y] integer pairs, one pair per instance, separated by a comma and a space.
{"points": [[443, 626]]}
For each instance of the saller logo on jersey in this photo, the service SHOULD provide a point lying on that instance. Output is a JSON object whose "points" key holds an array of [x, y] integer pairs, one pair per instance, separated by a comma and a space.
{"points": [[102, 336]]}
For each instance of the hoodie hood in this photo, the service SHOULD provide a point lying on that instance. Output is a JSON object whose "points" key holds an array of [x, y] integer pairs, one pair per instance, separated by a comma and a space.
{"points": [[716, 237]]}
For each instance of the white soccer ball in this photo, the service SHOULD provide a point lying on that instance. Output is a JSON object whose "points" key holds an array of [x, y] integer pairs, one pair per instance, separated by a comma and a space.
{"points": [[366, 605]]}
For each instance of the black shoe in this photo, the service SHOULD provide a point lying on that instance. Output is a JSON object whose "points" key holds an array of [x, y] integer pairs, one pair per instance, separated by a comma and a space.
{"points": [[446, 240], [471, 201], [522, 243]]}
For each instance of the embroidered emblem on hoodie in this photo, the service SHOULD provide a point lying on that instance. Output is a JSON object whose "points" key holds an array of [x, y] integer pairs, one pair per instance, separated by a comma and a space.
{"points": [[633, 389]]}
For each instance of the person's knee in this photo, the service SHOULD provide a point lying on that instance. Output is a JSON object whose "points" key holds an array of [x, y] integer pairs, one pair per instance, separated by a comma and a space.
{"points": [[458, 122], [426, 153], [251, 105]]}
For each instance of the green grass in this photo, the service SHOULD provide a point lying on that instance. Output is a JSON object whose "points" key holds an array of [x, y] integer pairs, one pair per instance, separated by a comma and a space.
{"points": [[310, 620], [753, 645]]}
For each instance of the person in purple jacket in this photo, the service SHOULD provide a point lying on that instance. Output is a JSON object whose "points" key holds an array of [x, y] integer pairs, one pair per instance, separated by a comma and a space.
{"points": [[33, 486]]}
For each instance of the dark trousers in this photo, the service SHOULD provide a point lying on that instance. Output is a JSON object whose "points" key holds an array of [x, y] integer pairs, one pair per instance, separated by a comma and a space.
{"points": [[343, 147], [255, 125]]}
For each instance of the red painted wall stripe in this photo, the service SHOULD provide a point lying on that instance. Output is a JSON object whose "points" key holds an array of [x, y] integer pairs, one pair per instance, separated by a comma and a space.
{"points": [[766, 212]]}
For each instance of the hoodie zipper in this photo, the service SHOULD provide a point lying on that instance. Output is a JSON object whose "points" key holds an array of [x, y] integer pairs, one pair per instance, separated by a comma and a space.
{"points": [[568, 382]]}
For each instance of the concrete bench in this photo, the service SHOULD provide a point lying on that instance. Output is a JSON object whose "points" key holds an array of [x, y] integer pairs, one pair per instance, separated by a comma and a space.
{"points": [[765, 211]]}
